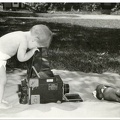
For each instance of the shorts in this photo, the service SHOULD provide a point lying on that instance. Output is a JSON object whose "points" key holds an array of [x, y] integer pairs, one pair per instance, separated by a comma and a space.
{"points": [[3, 59]]}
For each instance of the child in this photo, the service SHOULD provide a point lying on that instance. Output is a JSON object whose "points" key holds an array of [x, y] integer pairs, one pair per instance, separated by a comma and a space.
{"points": [[18, 43]]}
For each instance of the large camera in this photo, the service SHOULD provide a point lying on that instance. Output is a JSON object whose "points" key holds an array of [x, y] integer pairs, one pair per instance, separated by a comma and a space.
{"points": [[41, 85]]}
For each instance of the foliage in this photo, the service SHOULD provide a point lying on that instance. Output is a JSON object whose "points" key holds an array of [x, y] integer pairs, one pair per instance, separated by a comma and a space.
{"points": [[44, 7]]}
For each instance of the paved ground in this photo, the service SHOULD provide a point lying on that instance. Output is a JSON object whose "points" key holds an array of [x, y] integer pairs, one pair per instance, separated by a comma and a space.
{"points": [[88, 20], [75, 16], [102, 17], [99, 21]]}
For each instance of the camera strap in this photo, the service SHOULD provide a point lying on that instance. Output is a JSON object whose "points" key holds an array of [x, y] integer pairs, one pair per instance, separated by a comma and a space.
{"points": [[36, 72], [41, 54], [31, 62]]}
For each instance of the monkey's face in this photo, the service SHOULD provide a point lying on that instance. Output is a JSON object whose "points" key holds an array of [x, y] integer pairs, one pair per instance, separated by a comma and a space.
{"points": [[99, 91]]}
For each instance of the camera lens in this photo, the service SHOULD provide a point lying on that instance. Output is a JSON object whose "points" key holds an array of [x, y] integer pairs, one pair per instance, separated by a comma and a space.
{"points": [[24, 82], [66, 88], [23, 99]]}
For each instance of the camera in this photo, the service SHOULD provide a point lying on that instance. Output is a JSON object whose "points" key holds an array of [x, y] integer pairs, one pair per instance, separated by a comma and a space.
{"points": [[41, 85]]}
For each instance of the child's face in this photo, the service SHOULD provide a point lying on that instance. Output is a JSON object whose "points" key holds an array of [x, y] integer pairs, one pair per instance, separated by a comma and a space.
{"points": [[34, 43], [44, 43]]}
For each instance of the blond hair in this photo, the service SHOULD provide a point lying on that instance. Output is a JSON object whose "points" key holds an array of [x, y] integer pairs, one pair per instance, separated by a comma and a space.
{"points": [[42, 32]]}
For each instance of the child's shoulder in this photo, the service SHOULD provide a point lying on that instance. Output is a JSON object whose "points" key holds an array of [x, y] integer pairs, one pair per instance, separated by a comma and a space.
{"points": [[14, 34], [11, 33]]}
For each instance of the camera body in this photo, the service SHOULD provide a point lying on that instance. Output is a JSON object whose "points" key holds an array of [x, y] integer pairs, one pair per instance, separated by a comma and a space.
{"points": [[38, 91], [41, 85]]}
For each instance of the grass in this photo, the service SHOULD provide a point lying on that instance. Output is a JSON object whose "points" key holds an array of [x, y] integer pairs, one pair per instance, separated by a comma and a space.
{"points": [[85, 61], [75, 47]]}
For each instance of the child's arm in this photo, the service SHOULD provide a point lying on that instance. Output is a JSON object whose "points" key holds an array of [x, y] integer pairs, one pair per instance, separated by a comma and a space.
{"points": [[22, 55]]}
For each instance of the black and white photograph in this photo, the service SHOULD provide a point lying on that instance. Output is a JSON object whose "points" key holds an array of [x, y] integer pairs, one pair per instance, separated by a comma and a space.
{"points": [[59, 60]]}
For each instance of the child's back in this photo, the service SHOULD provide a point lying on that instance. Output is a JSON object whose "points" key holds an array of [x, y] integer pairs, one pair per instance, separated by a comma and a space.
{"points": [[10, 42]]}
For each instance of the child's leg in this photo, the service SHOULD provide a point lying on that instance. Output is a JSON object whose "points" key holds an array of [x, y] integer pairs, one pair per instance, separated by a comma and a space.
{"points": [[3, 80]]}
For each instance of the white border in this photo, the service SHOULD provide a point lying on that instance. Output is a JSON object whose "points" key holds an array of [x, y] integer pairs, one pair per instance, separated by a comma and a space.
{"points": [[73, 1]]}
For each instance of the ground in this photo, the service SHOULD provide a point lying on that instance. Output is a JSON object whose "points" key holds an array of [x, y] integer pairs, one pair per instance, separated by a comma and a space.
{"points": [[81, 83]]}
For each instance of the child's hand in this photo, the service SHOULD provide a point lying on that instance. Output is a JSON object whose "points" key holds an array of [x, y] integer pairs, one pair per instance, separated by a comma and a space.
{"points": [[35, 49]]}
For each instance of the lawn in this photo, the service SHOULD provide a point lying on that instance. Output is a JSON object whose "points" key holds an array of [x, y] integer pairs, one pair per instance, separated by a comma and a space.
{"points": [[79, 45]]}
